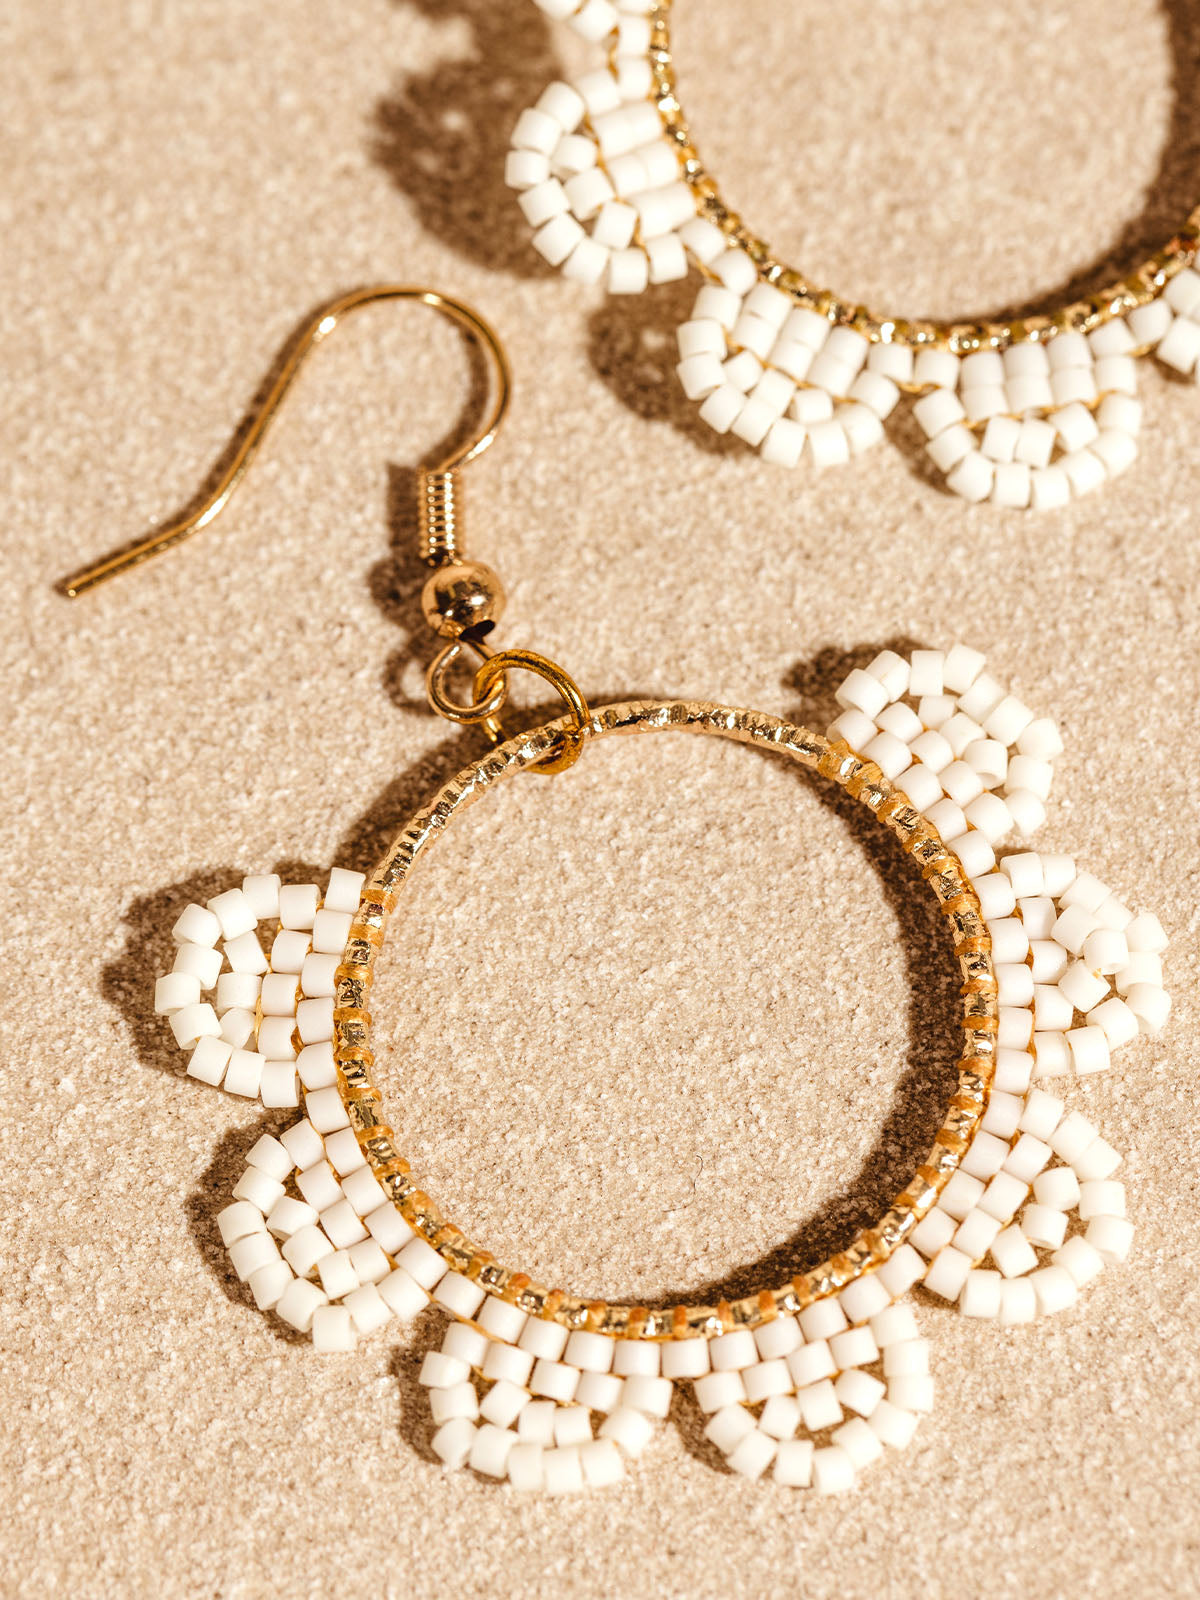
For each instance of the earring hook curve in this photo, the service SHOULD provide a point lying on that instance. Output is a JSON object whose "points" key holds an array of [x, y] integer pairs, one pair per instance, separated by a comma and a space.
{"points": [[436, 487]]}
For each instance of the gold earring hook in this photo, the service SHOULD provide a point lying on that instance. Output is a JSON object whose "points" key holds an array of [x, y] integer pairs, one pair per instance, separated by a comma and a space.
{"points": [[436, 484]]}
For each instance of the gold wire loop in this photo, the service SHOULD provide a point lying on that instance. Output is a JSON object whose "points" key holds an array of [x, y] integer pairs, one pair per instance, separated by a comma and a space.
{"points": [[485, 707], [436, 479], [492, 672]]}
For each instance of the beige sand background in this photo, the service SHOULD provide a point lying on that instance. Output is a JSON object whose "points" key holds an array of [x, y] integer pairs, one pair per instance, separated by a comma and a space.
{"points": [[676, 1019]]}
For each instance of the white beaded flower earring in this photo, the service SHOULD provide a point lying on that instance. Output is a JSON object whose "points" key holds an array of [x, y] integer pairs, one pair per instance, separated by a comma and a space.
{"points": [[1020, 413], [1014, 1210]]}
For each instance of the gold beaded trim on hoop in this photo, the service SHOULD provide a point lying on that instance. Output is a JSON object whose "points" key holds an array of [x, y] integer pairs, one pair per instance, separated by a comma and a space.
{"points": [[1137, 288], [865, 782]]}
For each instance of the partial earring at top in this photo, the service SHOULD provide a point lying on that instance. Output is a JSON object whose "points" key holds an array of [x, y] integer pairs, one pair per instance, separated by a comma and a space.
{"points": [[1031, 412]]}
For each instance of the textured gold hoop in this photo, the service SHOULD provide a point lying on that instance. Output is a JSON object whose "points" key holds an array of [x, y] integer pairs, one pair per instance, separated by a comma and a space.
{"points": [[862, 780], [1138, 287]]}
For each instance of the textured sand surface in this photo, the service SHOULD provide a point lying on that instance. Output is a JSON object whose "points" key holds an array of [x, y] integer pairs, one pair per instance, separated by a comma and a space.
{"points": [[674, 1020]]}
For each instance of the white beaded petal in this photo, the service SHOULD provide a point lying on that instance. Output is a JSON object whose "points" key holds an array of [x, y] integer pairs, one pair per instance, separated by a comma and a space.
{"points": [[268, 951]]}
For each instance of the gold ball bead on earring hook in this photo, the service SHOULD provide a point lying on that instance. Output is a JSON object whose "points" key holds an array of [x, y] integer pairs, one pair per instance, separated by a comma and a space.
{"points": [[461, 595]]}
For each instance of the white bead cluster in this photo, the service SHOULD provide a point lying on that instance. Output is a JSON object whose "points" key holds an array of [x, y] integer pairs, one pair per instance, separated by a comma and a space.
{"points": [[1034, 425], [598, 180], [542, 1385], [1037, 424], [777, 375], [1078, 976], [818, 1396], [1079, 973], [268, 1027], [320, 1244]]}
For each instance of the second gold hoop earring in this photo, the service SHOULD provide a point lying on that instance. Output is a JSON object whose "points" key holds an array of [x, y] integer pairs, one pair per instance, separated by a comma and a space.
{"points": [[1015, 1209], [1030, 412]]}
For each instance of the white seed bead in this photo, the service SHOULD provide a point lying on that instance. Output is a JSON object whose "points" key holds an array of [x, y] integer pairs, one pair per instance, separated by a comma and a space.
{"points": [[268, 1284], [337, 1274], [1049, 960], [504, 1402], [1018, 1302], [896, 1325], [197, 960], [629, 1430], [950, 447], [422, 1263], [600, 1391], [1150, 1004], [543, 1340], [523, 169], [991, 816], [1143, 966], [370, 1263], [703, 238], [911, 1392], [1097, 1162], [1043, 1226], [1111, 1238], [503, 1363], [1009, 940], [1145, 933], [601, 1463], [319, 1187], [243, 1073], [784, 443], [1116, 1019], [780, 1416], [174, 991], [1027, 1157], [305, 1248], [554, 1380], [937, 411], [1014, 1070], [894, 361], [590, 1352], [1051, 490], [1089, 1050], [1013, 1253], [793, 1463], [947, 1273], [975, 853], [932, 1233], [1054, 1288], [864, 1297], [325, 1110], [685, 1358], [832, 1471], [975, 1234], [719, 1389], [1082, 1260], [810, 1363], [279, 1085], [628, 272], [981, 1295], [196, 925], [233, 912], [459, 1400], [900, 1271], [653, 1395], [238, 1221], [819, 1406], [297, 1304], [251, 1254], [636, 1358], [388, 1228], [259, 1188], [1101, 1198], [1180, 345], [922, 787]]}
